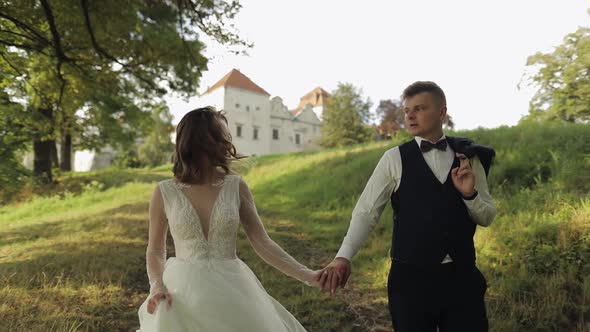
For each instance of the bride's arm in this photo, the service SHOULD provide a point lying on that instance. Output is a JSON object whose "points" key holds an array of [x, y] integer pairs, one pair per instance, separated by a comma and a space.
{"points": [[264, 246], [155, 256]]}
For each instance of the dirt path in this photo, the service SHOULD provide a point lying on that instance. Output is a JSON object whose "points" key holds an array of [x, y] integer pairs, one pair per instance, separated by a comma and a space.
{"points": [[365, 310]]}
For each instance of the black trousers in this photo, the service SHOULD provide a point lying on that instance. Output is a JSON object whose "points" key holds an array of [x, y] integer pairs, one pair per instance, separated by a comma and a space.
{"points": [[448, 297]]}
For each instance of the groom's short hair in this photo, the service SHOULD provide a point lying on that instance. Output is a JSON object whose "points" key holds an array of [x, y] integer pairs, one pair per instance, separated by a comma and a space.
{"points": [[425, 86]]}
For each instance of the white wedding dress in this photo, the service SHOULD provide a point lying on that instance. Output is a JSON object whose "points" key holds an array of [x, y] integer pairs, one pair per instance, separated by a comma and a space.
{"points": [[211, 288]]}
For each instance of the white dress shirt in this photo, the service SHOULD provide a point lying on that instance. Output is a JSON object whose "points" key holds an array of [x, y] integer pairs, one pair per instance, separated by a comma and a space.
{"points": [[386, 180]]}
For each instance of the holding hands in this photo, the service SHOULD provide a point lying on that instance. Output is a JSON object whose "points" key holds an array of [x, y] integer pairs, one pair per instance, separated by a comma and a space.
{"points": [[334, 275]]}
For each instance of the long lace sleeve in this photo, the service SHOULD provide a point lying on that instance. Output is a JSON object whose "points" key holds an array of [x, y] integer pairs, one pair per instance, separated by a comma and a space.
{"points": [[264, 246], [155, 255]]}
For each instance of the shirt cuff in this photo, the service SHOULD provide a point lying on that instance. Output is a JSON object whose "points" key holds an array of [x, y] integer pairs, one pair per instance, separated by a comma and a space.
{"points": [[346, 251], [473, 204], [471, 197]]}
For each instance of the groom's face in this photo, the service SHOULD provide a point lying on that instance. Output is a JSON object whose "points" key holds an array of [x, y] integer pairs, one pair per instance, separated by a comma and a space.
{"points": [[424, 115]]}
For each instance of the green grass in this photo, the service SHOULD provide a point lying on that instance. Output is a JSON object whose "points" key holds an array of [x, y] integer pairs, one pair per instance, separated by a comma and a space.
{"points": [[72, 258]]}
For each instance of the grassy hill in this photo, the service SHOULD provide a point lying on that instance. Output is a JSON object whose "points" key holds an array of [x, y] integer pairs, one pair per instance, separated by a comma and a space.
{"points": [[73, 259]]}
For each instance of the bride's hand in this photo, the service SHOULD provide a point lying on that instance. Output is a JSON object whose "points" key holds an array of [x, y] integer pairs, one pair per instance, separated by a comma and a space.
{"points": [[153, 301], [314, 277]]}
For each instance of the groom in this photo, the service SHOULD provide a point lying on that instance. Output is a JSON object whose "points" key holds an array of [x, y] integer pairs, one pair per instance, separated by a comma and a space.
{"points": [[439, 193]]}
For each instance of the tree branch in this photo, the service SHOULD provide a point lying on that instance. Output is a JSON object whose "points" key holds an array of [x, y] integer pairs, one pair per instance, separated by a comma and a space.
{"points": [[127, 68], [97, 47], [25, 27], [42, 96], [22, 46], [101, 52], [187, 49], [17, 34], [61, 56]]}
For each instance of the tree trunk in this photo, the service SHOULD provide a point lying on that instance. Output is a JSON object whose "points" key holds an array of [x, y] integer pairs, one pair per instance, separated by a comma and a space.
{"points": [[66, 153], [42, 162], [42, 148], [54, 156]]}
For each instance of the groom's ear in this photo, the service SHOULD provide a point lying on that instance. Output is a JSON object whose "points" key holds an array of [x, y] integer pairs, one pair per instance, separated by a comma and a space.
{"points": [[443, 112]]}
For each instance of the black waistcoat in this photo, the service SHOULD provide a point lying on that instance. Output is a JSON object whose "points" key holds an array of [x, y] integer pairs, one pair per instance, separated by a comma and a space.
{"points": [[430, 218]]}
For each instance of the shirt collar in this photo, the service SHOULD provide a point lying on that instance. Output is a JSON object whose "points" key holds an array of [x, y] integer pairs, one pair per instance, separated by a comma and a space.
{"points": [[420, 139]]}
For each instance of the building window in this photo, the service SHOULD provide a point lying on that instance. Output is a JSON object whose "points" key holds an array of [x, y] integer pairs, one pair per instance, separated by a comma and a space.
{"points": [[258, 108], [297, 139], [255, 134], [275, 134], [237, 105], [247, 108], [239, 130]]}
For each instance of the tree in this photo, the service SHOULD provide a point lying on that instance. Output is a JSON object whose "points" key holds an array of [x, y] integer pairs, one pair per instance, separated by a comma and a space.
{"points": [[392, 117], [448, 122], [13, 139], [346, 117], [63, 56], [563, 80], [158, 147]]}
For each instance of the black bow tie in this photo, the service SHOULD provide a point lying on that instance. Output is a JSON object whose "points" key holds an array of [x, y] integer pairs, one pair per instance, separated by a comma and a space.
{"points": [[426, 146]]}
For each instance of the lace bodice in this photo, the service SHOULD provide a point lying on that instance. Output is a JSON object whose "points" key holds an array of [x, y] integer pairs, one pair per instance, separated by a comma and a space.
{"points": [[186, 227], [233, 206]]}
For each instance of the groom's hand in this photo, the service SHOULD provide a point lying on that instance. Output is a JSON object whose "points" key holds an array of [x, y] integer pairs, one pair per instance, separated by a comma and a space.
{"points": [[463, 177], [335, 274]]}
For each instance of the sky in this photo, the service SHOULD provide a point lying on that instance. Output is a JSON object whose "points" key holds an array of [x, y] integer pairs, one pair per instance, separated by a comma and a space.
{"points": [[475, 50]]}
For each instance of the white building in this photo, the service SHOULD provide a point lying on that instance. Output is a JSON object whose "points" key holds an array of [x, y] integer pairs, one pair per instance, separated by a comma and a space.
{"points": [[262, 125], [259, 124]]}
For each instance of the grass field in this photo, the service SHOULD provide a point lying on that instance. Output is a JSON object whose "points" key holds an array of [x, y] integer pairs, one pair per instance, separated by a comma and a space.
{"points": [[72, 256]]}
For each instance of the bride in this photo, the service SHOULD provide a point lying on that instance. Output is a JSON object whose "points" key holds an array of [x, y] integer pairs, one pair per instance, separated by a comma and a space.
{"points": [[206, 287]]}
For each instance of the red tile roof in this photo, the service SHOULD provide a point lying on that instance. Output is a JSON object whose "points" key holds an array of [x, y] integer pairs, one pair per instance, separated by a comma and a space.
{"points": [[237, 80], [316, 97]]}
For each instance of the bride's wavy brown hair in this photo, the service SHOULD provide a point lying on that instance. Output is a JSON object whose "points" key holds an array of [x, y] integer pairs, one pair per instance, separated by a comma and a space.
{"points": [[203, 146]]}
